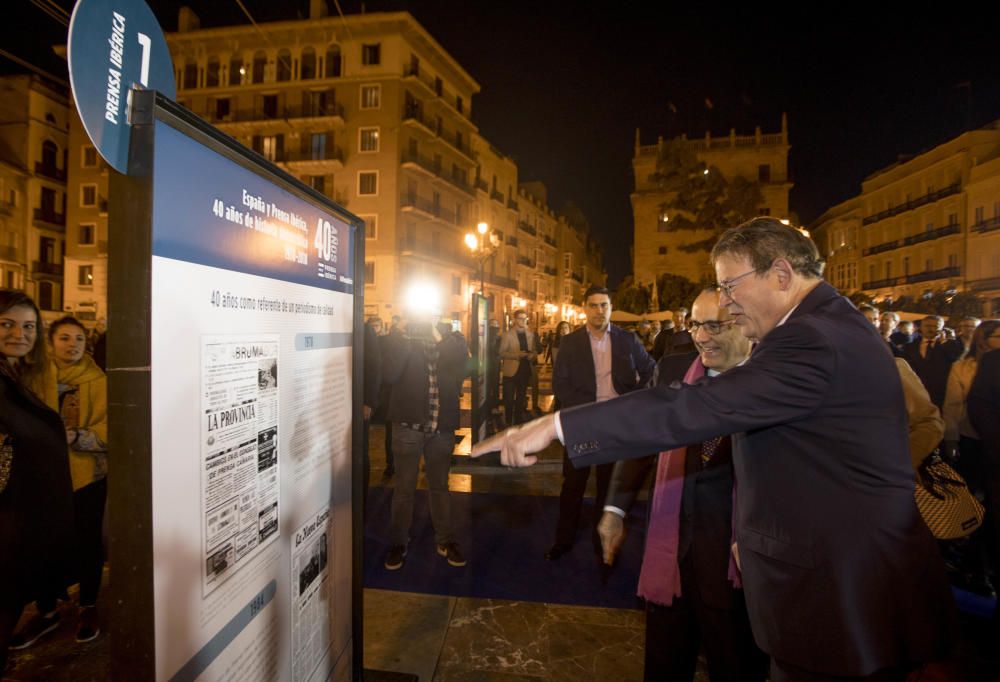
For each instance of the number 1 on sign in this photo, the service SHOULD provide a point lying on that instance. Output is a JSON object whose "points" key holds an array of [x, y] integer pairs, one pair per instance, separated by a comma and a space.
{"points": [[146, 43]]}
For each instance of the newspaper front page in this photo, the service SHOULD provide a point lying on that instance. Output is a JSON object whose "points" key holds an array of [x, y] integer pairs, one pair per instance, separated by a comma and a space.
{"points": [[239, 451], [311, 595]]}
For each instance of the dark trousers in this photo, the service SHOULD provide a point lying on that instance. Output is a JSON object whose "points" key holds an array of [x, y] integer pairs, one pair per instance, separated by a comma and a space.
{"points": [[571, 494], [389, 460], [515, 396], [436, 449], [676, 633], [88, 520]]}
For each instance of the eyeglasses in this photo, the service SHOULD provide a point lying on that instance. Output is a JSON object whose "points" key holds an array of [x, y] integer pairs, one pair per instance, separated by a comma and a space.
{"points": [[727, 286], [713, 327]]}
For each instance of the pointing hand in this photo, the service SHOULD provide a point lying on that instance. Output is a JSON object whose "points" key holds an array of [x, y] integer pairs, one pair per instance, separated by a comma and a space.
{"points": [[516, 443]]}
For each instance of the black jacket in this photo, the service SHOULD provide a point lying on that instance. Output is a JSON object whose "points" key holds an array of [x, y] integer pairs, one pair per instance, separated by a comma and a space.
{"points": [[405, 369], [573, 379]]}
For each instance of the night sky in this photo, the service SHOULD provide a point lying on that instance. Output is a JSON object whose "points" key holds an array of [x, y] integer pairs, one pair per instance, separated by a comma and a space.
{"points": [[565, 85]]}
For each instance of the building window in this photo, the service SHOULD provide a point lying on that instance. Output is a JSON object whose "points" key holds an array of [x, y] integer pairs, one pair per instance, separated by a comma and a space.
{"points": [[764, 172], [456, 285], [318, 183], [333, 62], [888, 269], [459, 104], [371, 55], [269, 106], [236, 71], [368, 139], [283, 66], [222, 109], [906, 265], [371, 226], [438, 86], [765, 210], [929, 227], [88, 195], [567, 263], [953, 219], [85, 236], [371, 96], [980, 210], [85, 275], [190, 75], [663, 222], [952, 260], [212, 73], [928, 265], [259, 66], [270, 147], [88, 158], [368, 183], [459, 142], [317, 146], [307, 64], [369, 273], [662, 250]]}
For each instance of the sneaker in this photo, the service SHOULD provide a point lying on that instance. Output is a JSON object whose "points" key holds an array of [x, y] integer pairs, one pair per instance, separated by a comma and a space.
{"points": [[36, 628], [90, 626], [395, 557], [450, 552]]}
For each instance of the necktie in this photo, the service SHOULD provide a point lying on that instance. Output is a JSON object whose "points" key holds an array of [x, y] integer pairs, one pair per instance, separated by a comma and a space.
{"points": [[708, 449]]}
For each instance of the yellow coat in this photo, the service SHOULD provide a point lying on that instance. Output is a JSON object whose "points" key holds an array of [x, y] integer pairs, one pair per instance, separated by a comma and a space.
{"points": [[92, 393]]}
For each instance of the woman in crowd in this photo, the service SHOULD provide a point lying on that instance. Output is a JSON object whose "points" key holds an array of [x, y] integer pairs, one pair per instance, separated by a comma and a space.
{"points": [[36, 504], [82, 400], [962, 442], [562, 329]]}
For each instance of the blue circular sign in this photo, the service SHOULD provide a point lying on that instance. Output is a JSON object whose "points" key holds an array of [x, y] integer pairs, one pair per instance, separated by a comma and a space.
{"points": [[113, 45]]}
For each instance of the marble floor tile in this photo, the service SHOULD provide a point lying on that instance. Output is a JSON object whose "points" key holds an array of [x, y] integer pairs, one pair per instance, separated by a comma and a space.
{"points": [[404, 632], [495, 639]]}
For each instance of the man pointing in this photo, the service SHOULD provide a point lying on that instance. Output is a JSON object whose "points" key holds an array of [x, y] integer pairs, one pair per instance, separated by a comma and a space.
{"points": [[841, 576]]}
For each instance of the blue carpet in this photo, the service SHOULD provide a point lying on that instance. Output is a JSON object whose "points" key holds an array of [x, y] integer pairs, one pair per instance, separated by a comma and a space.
{"points": [[504, 539]]}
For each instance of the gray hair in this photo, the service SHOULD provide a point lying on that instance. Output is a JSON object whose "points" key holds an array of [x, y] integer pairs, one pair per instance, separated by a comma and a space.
{"points": [[764, 240]]}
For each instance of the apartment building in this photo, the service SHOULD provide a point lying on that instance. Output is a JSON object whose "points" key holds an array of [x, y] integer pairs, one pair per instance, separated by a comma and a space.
{"points": [[370, 110], [925, 224], [33, 156], [762, 158]]}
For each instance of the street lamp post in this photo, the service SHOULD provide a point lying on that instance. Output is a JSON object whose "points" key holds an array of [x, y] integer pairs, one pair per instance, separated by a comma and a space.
{"points": [[483, 243]]}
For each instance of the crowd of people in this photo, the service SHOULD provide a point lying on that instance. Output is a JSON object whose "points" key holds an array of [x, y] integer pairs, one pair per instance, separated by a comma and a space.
{"points": [[53, 467]]}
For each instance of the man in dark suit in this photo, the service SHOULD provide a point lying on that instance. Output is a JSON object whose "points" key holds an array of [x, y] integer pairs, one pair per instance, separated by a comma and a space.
{"points": [[841, 575], [688, 576], [931, 356], [984, 415], [596, 362]]}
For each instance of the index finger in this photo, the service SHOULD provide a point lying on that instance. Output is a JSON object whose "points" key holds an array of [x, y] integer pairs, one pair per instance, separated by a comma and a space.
{"points": [[491, 444]]}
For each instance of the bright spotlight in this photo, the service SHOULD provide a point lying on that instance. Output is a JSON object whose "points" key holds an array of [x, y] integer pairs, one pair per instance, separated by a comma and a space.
{"points": [[471, 241], [482, 228], [423, 298]]}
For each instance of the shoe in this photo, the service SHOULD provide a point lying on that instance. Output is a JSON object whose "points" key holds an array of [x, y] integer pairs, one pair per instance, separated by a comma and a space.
{"points": [[557, 550], [395, 557], [450, 552], [90, 626], [36, 628]]}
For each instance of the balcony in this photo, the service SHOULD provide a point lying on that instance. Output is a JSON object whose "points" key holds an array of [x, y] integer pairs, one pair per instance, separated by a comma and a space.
{"points": [[47, 270], [551, 241], [928, 198], [49, 170], [432, 169], [881, 248], [940, 273], [578, 277], [882, 283], [988, 284], [6, 208], [496, 196], [413, 75], [412, 203], [525, 227], [525, 260], [481, 185], [987, 225], [549, 270], [505, 282], [511, 204], [944, 231], [308, 113], [314, 161], [511, 240], [8, 253], [50, 219], [415, 117]]}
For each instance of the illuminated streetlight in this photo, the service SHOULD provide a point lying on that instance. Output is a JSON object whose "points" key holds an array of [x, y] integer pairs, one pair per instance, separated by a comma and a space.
{"points": [[482, 246]]}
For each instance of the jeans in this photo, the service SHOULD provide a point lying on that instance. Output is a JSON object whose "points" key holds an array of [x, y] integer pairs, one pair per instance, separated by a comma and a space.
{"points": [[436, 448]]}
